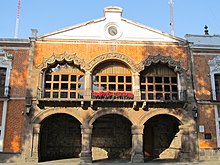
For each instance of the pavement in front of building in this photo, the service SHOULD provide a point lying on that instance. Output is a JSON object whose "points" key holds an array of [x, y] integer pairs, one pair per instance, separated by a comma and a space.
{"points": [[112, 162]]}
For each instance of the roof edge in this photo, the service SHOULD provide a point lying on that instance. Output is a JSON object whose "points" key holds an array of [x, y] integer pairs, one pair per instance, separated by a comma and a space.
{"points": [[71, 27]]}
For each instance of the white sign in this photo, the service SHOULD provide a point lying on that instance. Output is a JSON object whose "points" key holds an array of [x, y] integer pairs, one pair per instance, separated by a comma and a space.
{"points": [[201, 129]]}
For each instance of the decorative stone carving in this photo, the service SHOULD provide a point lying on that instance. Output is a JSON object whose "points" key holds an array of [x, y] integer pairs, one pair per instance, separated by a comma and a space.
{"points": [[163, 59], [5, 58], [111, 56], [214, 64], [60, 57]]}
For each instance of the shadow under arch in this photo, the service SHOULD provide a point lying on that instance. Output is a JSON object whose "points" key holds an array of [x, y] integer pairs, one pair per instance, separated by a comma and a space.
{"points": [[92, 118], [59, 137], [164, 133], [112, 57], [37, 119], [181, 114], [111, 138]]}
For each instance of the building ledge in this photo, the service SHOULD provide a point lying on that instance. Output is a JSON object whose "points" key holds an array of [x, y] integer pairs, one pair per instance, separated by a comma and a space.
{"points": [[95, 103]]}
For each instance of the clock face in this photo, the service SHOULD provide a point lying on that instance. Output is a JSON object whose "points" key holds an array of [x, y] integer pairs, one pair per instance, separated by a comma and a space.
{"points": [[112, 30]]}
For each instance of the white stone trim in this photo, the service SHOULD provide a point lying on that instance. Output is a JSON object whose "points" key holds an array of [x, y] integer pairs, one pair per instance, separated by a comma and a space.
{"points": [[217, 120], [214, 65], [2, 136], [5, 62], [179, 86]]}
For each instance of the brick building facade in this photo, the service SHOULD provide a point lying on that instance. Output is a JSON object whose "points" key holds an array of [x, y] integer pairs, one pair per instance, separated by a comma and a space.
{"points": [[105, 89], [205, 51]]}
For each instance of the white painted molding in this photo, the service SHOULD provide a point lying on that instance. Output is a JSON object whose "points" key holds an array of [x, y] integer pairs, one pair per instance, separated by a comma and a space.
{"points": [[217, 120], [214, 65], [5, 62]]}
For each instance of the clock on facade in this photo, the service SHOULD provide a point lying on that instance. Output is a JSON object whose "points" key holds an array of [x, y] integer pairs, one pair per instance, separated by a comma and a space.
{"points": [[113, 31]]}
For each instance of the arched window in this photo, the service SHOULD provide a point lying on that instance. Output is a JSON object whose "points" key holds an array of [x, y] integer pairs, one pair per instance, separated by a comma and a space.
{"points": [[158, 83], [112, 76], [64, 80]]}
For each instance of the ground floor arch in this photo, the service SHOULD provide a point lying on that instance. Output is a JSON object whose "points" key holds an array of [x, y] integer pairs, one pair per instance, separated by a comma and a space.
{"points": [[111, 134], [159, 132], [59, 138], [111, 138]]}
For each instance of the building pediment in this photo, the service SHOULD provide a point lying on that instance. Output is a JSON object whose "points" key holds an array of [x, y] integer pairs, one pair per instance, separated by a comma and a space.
{"points": [[111, 27]]}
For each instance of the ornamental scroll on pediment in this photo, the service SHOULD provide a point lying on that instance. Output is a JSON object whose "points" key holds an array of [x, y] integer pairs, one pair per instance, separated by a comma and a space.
{"points": [[163, 59], [111, 56], [61, 57]]}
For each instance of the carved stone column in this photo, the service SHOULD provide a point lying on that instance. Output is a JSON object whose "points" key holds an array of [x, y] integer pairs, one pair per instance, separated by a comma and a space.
{"points": [[137, 144], [36, 132], [88, 84], [136, 86], [40, 89], [86, 151], [188, 143]]}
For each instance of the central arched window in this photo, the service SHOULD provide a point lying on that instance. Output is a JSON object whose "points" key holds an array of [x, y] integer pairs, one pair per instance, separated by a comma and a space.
{"points": [[64, 80], [158, 83], [112, 76]]}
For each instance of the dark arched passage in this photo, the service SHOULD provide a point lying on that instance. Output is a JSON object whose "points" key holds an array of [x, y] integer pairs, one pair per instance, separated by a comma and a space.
{"points": [[111, 138], [159, 132], [60, 138]]}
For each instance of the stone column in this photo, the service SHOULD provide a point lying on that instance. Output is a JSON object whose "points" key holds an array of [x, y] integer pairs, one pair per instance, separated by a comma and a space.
{"points": [[88, 84], [40, 87], [136, 85], [86, 151], [36, 132], [137, 144], [188, 144]]}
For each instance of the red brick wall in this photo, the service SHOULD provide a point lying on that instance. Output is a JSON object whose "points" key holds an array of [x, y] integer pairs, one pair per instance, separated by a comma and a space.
{"points": [[136, 51], [14, 126], [19, 73], [16, 103], [202, 78], [207, 118]]}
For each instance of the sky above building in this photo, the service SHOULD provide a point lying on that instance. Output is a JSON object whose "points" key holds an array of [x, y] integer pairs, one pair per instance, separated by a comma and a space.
{"points": [[190, 16]]}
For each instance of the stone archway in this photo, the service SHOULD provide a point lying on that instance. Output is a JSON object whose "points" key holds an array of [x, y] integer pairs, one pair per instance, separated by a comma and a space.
{"points": [[181, 143], [87, 131], [111, 138], [59, 138], [111, 56], [160, 132]]}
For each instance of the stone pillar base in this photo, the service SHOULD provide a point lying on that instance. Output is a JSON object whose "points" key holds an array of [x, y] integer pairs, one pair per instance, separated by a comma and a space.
{"points": [[137, 158], [85, 157], [185, 157], [32, 160]]}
